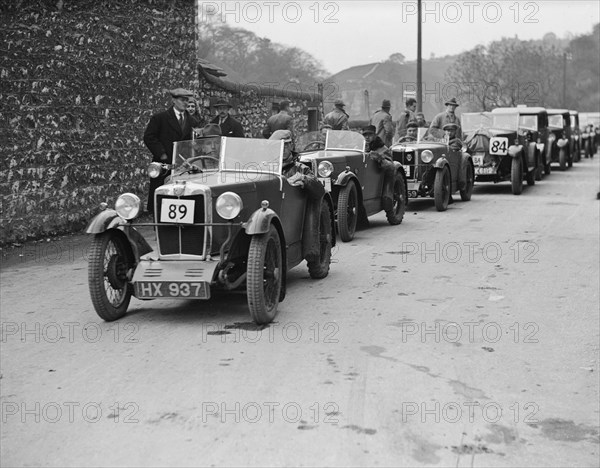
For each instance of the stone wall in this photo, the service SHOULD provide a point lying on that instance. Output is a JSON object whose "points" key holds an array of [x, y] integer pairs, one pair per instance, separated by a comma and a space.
{"points": [[79, 81]]}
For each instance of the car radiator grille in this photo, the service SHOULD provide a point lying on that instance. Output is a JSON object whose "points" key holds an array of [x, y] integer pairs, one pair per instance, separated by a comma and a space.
{"points": [[184, 239], [408, 161]]}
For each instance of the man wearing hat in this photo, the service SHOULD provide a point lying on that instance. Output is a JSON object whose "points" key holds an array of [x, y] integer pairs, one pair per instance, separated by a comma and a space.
{"points": [[299, 175], [337, 118], [450, 130], [230, 127], [381, 154], [407, 115], [165, 128], [280, 121], [421, 122], [446, 117], [412, 130], [382, 120]]}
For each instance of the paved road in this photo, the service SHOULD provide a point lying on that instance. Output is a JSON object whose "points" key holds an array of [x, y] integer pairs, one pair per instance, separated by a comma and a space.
{"points": [[464, 338]]}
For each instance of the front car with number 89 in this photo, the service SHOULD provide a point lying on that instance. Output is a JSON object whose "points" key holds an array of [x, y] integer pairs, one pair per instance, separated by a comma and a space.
{"points": [[226, 218]]}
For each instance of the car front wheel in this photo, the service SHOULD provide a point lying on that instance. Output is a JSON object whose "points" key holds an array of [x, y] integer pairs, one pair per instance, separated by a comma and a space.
{"points": [[441, 189], [516, 176], [396, 214], [347, 211], [110, 259], [562, 159], [467, 192], [319, 267], [264, 274]]}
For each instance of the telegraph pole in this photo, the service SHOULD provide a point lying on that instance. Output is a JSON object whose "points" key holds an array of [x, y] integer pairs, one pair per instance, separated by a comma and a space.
{"points": [[419, 61]]}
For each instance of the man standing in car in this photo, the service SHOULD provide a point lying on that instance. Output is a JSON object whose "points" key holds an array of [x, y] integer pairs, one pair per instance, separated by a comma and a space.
{"points": [[165, 128]]}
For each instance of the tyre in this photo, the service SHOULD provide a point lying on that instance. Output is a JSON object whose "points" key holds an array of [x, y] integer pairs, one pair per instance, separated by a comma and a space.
{"points": [[347, 211], [110, 260], [465, 194], [530, 177], [562, 159], [319, 267], [577, 153], [588, 148], [264, 273], [516, 176], [396, 214], [441, 189], [548, 165]]}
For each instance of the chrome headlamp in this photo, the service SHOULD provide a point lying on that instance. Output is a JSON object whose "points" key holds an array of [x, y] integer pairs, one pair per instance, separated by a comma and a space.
{"points": [[427, 156], [154, 170], [229, 205], [128, 206], [324, 169]]}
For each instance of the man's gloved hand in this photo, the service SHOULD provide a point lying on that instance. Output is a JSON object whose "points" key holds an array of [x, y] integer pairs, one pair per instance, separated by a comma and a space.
{"points": [[297, 180]]}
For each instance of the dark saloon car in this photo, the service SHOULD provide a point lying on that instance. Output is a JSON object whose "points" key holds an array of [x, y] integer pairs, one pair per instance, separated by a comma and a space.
{"points": [[500, 151], [354, 180], [533, 123], [435, 169], [559, 138], [576, 146], [225, 219]]}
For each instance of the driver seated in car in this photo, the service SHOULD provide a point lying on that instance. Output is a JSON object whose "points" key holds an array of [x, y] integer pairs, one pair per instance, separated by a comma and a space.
{"points": [[454, 142], [381, 154], [412, 130]]}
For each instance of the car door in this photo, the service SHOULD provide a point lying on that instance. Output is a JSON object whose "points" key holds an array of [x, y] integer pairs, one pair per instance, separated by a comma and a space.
{"points": [[372, 185], [293, 210], [454, 159]]}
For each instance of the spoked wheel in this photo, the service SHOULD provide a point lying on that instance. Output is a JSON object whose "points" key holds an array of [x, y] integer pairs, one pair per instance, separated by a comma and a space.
{"points": [[516, 176], [467, 192], [441, 189], [264, 274], [396, 214], [110, 259], [319, 267], [347, 211], [562, 159]]}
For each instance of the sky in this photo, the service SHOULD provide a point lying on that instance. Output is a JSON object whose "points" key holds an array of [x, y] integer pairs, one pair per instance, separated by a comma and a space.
{"points": [[341, 34]]}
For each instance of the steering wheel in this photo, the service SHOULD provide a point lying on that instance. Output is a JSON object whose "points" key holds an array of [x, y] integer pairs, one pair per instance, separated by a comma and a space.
{"points": [[315, 145], [195, 158]]}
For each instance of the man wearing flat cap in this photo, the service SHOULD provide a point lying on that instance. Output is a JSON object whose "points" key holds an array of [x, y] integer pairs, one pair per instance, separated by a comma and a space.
{"points": [[337, 118], [299, 175], [280, 121], [382, 120], [230, 127], [454, 142], [446, 117], [165, 128], [381, 154], [412, 130]]}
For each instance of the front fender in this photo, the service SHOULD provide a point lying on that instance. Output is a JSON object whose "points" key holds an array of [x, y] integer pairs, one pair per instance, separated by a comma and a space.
{"points": [[104, 221], [441, 163], [345, 177], [515, 150], [259, 221]]}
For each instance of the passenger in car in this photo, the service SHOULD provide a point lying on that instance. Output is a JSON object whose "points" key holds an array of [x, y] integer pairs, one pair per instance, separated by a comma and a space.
{"points": [[454, 142], [381, 154], [411, 133]]}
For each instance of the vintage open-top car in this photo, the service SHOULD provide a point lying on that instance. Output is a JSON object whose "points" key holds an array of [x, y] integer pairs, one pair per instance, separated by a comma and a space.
{"points": [[355, 181], [224, 219], [559, 138], [435, 169], [500, 149]]}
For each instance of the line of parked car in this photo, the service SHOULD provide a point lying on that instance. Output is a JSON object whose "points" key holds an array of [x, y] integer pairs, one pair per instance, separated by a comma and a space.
{"points": [[226, 218]]}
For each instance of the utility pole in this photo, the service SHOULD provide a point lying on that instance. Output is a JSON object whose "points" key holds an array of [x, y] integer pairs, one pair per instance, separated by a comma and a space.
{"points": [[419, 61], [564, 96]]}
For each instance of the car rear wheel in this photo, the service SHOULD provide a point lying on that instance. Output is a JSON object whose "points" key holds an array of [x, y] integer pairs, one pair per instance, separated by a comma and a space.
{"points": [[516, 176], [396, 214], [319, 268], [264, 274], [110, 259], [465, 194], [347, 212], [562, 159], [441, 189]]}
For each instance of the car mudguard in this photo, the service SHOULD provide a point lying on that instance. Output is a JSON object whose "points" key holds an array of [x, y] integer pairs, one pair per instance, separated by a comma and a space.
{"points": [[441, 163], [531, 155], [515, 150], [259, 221], [109, 219], [345, 177]]}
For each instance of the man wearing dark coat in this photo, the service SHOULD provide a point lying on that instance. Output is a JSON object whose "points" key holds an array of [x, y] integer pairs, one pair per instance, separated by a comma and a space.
{"points": [[230, 127], [165, 128]]}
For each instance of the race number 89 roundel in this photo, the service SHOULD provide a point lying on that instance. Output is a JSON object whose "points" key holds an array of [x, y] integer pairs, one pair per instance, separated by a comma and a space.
{"points": [[499, 146]]}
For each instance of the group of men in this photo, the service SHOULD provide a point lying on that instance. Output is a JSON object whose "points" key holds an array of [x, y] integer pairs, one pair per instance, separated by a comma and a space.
{"points": [[176, 124]]}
